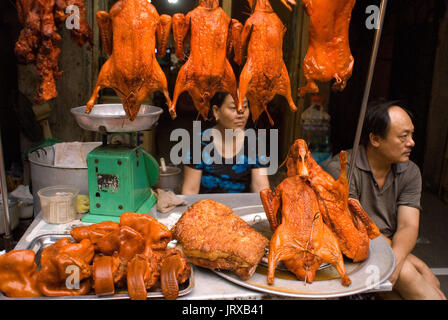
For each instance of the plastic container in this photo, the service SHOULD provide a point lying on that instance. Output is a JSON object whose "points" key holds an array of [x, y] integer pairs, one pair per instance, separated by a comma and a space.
{"points": [[13, 214], [59, 203]]}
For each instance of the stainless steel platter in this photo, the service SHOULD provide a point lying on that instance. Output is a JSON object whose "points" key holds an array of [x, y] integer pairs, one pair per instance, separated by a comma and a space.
{"points": [[43, 241], [367, 275], [113, 118]]}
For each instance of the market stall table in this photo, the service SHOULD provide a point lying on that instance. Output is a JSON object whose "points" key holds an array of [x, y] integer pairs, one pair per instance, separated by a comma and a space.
{"points": [[207, 284]]}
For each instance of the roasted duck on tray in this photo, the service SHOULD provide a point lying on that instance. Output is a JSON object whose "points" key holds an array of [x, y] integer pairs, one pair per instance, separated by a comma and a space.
{"points": [[313, 219], [207, 70], [129, 33], [213, 237], [264, 74], [106, 256]]}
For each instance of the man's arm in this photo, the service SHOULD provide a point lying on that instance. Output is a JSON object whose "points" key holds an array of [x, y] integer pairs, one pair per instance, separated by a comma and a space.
{"points": [[405, 237]]}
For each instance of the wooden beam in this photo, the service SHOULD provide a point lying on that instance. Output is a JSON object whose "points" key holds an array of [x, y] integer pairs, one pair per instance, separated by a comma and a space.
{"points": [[227, 7]]}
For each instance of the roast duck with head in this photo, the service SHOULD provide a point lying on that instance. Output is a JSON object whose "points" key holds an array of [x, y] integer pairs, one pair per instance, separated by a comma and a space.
{"points": [[130, 33], [207, 71], [328, 56], [264, 75], [313, 219]]}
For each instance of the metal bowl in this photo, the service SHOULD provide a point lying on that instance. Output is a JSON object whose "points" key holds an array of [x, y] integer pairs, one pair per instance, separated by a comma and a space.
{"points": [[113, 118]]}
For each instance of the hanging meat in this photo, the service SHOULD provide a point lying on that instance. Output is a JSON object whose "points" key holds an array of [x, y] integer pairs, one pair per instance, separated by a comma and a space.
{"points": [[301, 239], [350, 223], [264, 74], [328, 56], [38, 40], [207, 70], [130, 33]]}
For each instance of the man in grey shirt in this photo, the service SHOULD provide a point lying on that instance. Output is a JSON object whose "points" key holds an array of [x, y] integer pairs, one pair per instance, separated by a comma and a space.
{"points": [[388, 186]]}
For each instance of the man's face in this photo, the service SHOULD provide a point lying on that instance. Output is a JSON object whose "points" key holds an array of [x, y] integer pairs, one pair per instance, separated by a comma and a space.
{"points": [[398, 143]]}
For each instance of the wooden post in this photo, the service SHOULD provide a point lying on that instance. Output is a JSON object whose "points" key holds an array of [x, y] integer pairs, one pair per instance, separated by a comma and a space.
{"points": [[227, 7]]}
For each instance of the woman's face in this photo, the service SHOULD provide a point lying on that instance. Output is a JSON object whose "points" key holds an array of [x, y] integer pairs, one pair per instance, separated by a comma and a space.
{"points": [[228, 117]]}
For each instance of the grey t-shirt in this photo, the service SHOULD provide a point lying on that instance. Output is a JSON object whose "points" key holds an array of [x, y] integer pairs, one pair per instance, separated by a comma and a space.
{"points": [[403, 187]]}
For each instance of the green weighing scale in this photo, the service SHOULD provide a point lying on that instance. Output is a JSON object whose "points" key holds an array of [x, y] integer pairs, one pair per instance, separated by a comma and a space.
{"points": [[120, 175]]}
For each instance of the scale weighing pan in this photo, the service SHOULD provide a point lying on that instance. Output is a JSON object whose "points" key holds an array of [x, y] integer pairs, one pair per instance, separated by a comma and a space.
{"points": [[113, 118]]}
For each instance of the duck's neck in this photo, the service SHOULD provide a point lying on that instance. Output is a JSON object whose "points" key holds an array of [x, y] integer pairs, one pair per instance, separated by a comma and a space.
{"points": [[209, 4], [263, 5]]}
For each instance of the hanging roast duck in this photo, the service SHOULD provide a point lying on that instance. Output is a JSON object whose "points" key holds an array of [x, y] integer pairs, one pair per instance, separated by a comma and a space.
{"points": [[264, 74], [328, 56], [207, 70], [129, 33]]}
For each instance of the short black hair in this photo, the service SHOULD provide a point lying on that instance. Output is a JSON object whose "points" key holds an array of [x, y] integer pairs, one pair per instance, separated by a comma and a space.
{"points": [[377, 120]]}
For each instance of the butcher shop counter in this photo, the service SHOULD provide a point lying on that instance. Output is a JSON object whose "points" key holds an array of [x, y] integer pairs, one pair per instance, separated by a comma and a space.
{"points": [[207, 285]]}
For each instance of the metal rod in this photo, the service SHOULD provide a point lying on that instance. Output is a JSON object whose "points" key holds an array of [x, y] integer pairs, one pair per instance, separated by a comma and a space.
{"points": [[6, 220], [368, 85]]}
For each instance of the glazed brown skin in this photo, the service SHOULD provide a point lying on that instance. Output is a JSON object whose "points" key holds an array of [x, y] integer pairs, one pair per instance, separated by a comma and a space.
{"points": [[350, 223], [55, 259], [18, 273], [302, 240], [174, 270], [130, 32], [328, 56], [207, 69], [264, 74]]}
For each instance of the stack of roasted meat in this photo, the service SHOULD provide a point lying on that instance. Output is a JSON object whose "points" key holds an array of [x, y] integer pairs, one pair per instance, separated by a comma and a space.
{"points": [[105, 257], [313, 219], [311, 216]]}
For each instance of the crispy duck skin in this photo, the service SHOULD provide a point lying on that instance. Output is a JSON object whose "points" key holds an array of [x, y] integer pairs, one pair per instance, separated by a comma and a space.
{"points": [[213, 237], [302, 240], [130, 32], [207, 70], [18, 274], [264, 74], [350, 223], [55, 261]]}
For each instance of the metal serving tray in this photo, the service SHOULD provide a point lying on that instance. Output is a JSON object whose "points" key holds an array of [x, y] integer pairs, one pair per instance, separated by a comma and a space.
{"points": [[366, 276], [43, 241], [113, 118]]}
